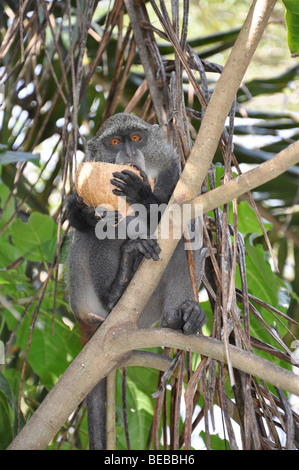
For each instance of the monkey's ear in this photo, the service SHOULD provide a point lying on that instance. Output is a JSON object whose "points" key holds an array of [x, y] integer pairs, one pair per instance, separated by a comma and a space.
{"points": [[155, 127]]}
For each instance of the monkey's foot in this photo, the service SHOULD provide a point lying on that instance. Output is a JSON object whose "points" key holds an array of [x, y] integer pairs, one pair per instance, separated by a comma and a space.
{"points": [[188, 317]]}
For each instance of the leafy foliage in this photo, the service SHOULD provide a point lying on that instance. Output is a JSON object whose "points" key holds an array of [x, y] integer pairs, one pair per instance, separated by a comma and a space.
{"points": [[292, 20]]}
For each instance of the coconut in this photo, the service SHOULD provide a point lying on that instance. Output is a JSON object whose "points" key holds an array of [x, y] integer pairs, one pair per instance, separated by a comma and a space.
{"points": [[92, 181]]}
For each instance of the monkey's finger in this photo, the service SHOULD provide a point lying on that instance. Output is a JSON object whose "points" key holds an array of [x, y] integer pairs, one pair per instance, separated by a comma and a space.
{"points": [[151, 250], [79, 200], [120, 193], [187, 309], [172, 319], [118, 175], [146, 250], [126, 175], [119, 184], [130, 174], [143, 250], [132, 178], [154, 244], [195, 321], [136, 178]]}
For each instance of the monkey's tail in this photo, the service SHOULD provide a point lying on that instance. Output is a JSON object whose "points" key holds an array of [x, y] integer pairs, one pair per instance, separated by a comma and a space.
{"points": [[96, 400], [96, 416]]}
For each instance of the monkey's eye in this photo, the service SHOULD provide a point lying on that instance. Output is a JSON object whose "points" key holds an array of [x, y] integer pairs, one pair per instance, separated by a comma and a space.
{"points": [[135, 137], [114, 141]]}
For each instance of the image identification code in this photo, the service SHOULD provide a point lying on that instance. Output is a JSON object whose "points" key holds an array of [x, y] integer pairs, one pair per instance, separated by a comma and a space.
{"points": [[150, 459]]}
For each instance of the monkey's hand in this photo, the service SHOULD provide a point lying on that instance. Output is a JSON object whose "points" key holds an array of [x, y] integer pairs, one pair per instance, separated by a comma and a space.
{"points": [[133, 188], [80, 216], [148, 247], [188, 317], [83, 217]]}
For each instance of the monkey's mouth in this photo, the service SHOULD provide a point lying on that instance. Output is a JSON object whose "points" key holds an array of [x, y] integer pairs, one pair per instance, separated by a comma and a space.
{"points": [[134, 166]]}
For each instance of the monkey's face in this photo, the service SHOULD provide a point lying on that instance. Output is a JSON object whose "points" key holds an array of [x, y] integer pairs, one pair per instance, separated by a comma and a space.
{"points": [[127, 139], [127, 148]]}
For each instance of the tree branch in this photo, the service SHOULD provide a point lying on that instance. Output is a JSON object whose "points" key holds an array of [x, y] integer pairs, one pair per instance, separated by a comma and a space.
{"points": [[210, 347], [234, 188]]}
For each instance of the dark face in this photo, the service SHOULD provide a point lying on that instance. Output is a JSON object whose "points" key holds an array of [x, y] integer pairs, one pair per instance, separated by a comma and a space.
{"points": [[126, 139], [127, 147]]}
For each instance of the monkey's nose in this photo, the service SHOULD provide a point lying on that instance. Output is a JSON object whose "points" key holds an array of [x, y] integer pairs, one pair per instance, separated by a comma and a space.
{"points": [[130, 152]]}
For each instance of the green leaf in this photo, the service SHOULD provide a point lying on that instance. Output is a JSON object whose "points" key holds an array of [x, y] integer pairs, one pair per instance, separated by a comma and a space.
{"points": [[247, 220], [216, 442], [263, 284], [49, 355], [140, 407], [282, 254], [292, 20], [6, 423], [9, 385], [8, 253], [6, 378], [11, 156], [35, 239], [260, 278], [9, 207]]}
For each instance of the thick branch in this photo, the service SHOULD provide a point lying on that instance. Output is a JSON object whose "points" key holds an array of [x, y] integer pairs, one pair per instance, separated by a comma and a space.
{"points": [[210, 347], [234, 188]]}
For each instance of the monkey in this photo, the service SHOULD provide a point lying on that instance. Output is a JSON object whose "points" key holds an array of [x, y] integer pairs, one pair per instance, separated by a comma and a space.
{"points": [[101, 269]]}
